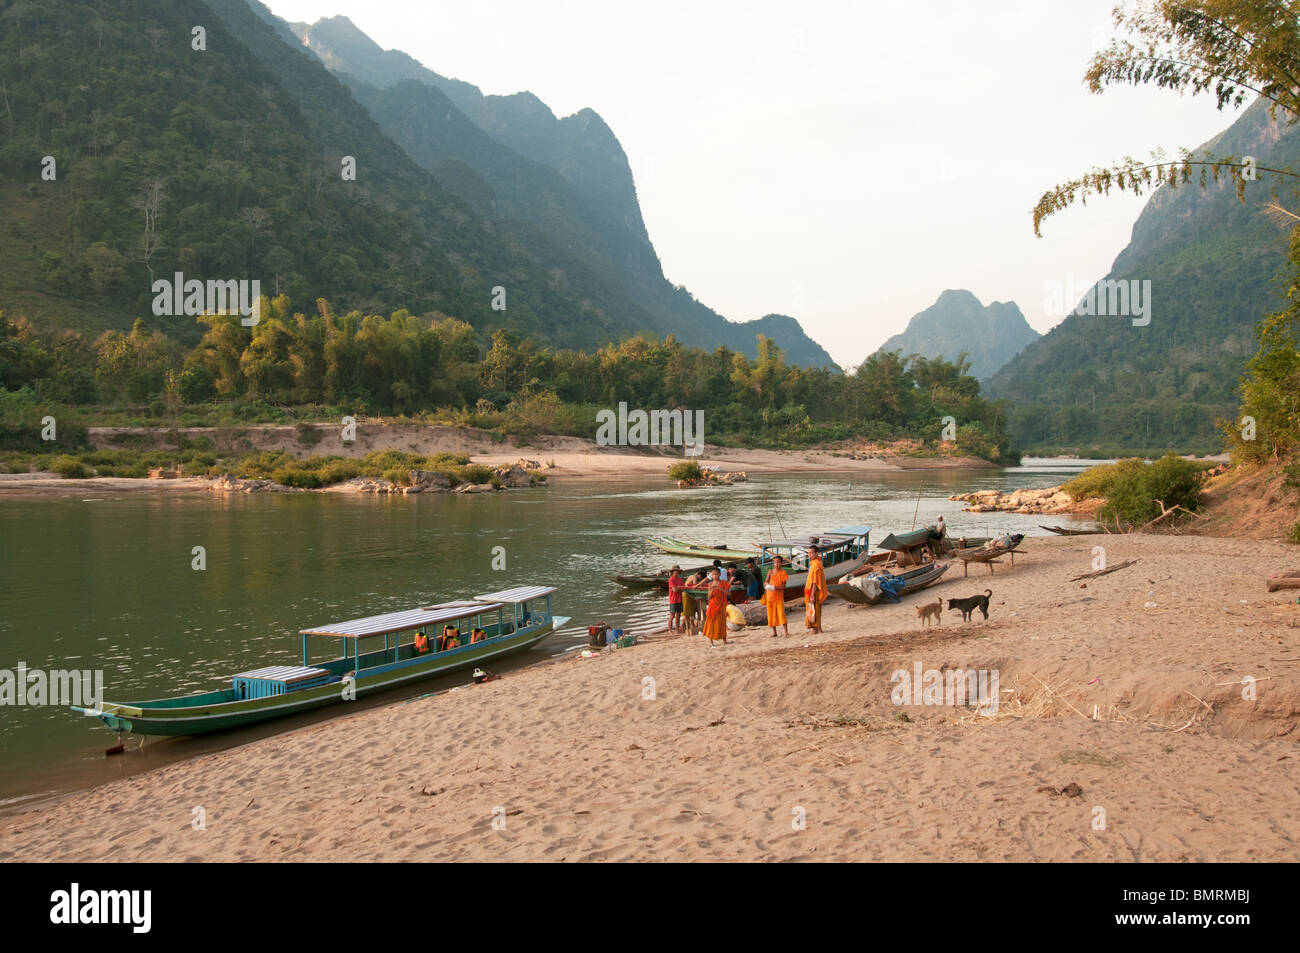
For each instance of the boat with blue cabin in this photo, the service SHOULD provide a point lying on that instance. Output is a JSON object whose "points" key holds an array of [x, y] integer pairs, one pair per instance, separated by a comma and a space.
{"points": [[506, 622]]}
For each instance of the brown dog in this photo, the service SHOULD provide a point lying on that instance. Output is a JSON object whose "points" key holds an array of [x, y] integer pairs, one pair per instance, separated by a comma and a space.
{"points": [[933, 609]]}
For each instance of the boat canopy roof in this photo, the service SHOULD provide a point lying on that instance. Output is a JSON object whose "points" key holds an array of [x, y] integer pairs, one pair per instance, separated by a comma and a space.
{"points": [[391, 622], [822, 541], [849, 531], [517, 594]]}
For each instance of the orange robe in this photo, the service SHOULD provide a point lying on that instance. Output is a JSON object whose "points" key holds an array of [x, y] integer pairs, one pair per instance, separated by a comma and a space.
{"points": [[814, 594], [715, 617], [774, 598]]}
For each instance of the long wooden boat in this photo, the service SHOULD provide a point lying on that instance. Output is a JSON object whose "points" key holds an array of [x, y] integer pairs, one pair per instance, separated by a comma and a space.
{"points": [[994, 548], [913, 579], [989, 552], [680, 547], [655, 580], [1065, 531], [908, 540], [513, 620], [843, 551]]}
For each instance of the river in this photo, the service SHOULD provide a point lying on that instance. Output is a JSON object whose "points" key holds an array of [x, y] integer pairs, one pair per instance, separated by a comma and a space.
{"points": [[108, 582]]}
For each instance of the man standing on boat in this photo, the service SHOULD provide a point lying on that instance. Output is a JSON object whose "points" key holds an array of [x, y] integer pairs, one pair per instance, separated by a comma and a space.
{"points": [[814, 590]]}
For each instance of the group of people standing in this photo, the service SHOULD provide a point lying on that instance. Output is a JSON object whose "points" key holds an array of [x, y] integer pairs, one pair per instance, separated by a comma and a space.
{"points": [[719, 582]]}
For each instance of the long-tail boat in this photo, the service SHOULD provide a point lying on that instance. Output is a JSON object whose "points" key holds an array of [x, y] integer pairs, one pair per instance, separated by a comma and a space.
{"points": [[1071, 531], [843, 551], [655, 580], [680, 547], [913, 579], [990, 552], [511, 620]]}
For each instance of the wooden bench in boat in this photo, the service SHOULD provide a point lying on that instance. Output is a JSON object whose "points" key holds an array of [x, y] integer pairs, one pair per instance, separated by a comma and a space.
{"points": [[277, 680]]}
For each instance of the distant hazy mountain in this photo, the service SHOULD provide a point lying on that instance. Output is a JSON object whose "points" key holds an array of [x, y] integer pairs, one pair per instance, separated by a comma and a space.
{"points": [[957, 323], [1214, 265], [564, 181]]}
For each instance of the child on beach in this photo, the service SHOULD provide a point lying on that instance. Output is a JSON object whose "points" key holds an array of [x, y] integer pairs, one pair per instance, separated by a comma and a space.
{"points": [[675, 586]]}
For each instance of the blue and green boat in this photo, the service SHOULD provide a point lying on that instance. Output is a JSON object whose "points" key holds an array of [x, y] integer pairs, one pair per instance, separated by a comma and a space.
{"points": [[507, 622]]}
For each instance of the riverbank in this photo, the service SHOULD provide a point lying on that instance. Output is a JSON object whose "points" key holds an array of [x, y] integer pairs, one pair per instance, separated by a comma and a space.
{"points": [[779, 749], [545, 456]]}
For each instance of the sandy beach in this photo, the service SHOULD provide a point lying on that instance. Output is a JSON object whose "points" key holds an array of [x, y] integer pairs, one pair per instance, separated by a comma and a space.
{"points": [[560, 456], [791, 749]]}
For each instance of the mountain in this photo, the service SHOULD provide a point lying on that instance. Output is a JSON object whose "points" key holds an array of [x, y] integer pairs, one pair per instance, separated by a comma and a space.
{"points": [[1216, 266], [226, 163], [564, 180], [958, 324], [241, 146]]}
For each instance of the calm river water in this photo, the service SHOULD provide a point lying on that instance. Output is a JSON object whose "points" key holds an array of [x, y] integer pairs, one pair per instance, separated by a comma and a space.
{"points": [[105, 582]]}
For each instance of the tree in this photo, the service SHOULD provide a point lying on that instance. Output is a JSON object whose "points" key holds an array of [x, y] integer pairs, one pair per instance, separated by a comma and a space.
{"points": [[1268, 427], [1228, 47], [105, 267]]}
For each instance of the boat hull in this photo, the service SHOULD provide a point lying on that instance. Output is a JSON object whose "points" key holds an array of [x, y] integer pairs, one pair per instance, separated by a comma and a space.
{"points": [[914, 579], [794, 585], [164, 718], [678, 547], [1067, 531]]}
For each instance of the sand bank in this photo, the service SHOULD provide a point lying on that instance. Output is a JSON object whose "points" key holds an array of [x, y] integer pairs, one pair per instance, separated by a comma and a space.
{"points": [[560, 456], [742, 744]]}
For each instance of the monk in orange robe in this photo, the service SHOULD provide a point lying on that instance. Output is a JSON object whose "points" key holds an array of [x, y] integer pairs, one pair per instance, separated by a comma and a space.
{"points": [[774, 596], [715, 617], [814, 591]]}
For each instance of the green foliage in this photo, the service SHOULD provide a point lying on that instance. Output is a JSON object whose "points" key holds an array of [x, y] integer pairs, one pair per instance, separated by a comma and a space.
{"points": [[308, 436], [1293, 534], [974, 441], [296, 477], [69, 467], [1270, 388], [476, 473], [1132, 493], [1101, 479], [408, 365], [1291, 476], [685, 470]]}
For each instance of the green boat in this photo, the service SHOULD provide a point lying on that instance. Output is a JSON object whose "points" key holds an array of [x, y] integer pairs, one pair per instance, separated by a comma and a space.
{"points": [[917, 537], [680, 547], [511, 621]]}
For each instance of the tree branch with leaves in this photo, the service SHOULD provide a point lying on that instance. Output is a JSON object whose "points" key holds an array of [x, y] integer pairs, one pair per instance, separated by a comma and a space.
{"points": [[1228, 48]]}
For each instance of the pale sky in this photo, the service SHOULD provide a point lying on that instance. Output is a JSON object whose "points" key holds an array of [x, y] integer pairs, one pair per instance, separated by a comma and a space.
{"points": [[842, 162]]}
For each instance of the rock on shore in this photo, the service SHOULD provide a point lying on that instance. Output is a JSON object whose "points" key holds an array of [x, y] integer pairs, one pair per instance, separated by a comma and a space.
{"points": [[1048, 500]]}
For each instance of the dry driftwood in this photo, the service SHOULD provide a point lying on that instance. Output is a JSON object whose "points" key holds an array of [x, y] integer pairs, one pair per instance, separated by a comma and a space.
{"points": [[1166, 511], [1101, 572], [1288, 579]]}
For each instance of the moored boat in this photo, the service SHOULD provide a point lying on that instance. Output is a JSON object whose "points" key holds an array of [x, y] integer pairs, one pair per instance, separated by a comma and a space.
{"points": [[912, 580], [681, 547], [655, 580], [511, 621], [843, 551], [1067, 531]]}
